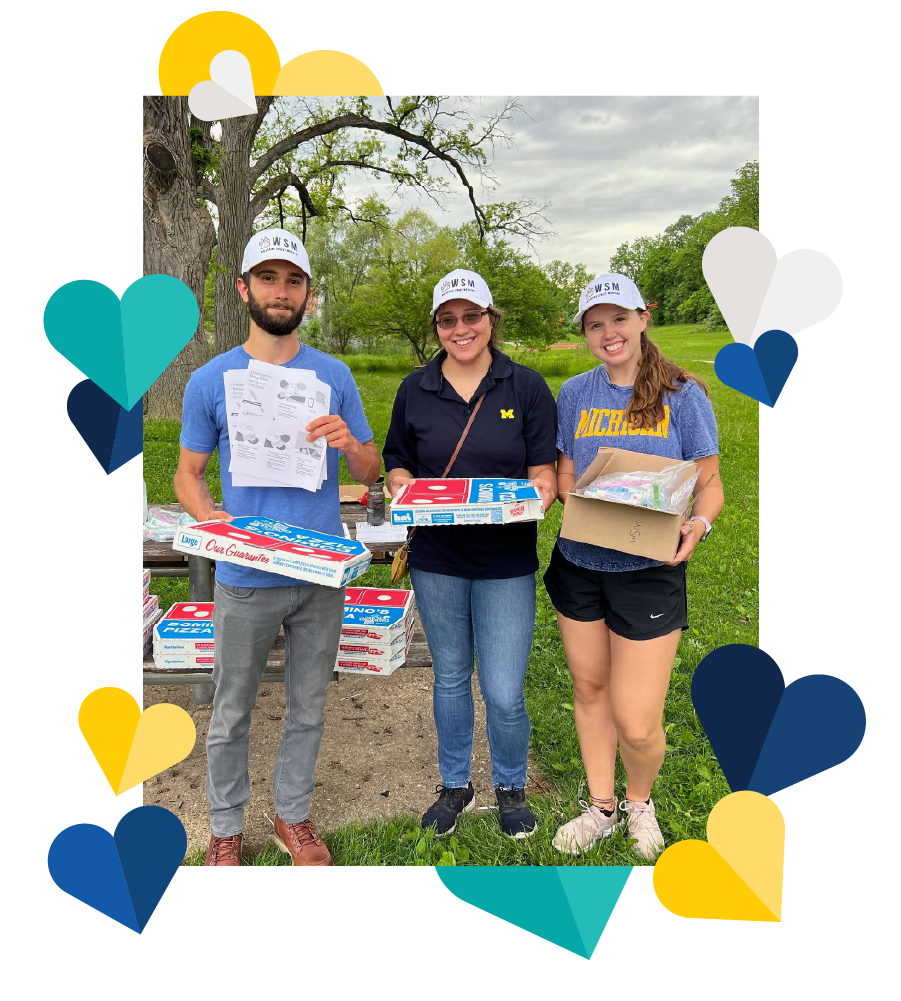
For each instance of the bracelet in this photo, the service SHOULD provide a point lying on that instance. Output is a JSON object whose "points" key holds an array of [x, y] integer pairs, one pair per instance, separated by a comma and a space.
{"points": [[700, 517]]}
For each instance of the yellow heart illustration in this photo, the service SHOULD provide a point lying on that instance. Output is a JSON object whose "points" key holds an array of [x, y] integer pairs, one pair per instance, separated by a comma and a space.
{"points": [[736, 875], [195, 44], [131, 746]]}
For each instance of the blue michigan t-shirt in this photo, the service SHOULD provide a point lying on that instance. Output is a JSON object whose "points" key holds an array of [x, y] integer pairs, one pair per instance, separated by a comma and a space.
{"points": [[590, 415], [205, 428]]}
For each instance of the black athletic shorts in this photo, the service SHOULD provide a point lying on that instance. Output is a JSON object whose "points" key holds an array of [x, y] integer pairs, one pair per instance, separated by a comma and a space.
{"points": [[636, 604]]}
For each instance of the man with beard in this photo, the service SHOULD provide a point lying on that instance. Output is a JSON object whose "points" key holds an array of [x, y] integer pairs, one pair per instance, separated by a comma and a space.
{"points": [[252, 605]]}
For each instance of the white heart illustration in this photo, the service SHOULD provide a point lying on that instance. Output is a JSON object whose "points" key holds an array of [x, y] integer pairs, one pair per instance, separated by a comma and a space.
{"points": [[738, 265], [806, 287], [229, 91]]}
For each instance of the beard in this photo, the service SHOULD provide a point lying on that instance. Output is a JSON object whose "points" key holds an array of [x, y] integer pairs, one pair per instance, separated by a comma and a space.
{"points": [[279, 326]]}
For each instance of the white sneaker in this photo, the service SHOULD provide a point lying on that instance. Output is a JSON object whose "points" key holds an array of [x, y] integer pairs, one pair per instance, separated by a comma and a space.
{"points": [[642, 824], [585, 830]]}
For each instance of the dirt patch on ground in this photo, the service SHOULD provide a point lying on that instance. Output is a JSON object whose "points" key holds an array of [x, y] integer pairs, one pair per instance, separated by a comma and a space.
{"points": [[378, 756]]}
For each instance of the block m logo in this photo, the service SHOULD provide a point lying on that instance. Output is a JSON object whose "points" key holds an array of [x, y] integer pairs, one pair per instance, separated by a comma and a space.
{"points": [[506, 414]]}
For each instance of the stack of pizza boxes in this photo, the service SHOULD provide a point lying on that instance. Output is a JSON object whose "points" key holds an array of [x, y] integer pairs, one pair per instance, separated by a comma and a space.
{"points": [[376, 632], [183, 637], [152, 613]]}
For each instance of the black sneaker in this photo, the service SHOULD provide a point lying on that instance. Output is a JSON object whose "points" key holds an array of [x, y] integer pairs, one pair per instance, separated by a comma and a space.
{"points": [[517, 820], [442, 815]]}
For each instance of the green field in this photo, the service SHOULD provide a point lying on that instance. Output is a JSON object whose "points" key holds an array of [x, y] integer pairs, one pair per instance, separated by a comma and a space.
{"points": [[723, 608]]}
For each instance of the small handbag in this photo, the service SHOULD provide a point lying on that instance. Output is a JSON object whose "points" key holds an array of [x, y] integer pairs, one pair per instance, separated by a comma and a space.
{"points": [[399, 565]]}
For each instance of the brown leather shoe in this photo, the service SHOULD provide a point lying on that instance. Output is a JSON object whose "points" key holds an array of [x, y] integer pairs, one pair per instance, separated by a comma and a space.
{"points": [[301, 842], [224, 851]]}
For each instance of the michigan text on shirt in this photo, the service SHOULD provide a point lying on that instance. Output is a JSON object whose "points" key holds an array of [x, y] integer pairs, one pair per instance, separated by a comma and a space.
{"points": [[607, 423]]}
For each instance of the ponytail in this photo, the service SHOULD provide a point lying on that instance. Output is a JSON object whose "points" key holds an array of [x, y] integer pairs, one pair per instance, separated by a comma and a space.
{"points": [[656, 376]]}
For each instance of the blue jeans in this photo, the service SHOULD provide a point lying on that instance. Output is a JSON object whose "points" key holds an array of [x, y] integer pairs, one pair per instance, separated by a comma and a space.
{"points": [[498, 618]]}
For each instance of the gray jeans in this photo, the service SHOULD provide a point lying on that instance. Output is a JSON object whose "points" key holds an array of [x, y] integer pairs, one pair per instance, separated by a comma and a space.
{"points": [[247, 621]]}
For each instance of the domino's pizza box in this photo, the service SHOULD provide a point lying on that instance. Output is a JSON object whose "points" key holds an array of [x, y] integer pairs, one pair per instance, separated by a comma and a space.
{"points": [[186, 630], [377, 637], [361, 663], [466, 502], [379, 614], [148, 629], [378, 649], [151, 605], [146, 584], [275, 546], [174, 662]]}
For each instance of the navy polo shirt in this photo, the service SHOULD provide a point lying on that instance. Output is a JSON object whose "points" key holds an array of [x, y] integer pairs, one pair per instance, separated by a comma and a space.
{"points": [[515, 428]]}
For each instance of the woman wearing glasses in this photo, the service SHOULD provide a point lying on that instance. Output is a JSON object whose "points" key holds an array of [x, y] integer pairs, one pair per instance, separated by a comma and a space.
{"points": [[475, 585]]}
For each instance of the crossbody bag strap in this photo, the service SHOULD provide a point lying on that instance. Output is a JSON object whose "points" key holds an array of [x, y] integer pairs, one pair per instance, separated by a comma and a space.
{"points": [[472, 417], [453, 458]]}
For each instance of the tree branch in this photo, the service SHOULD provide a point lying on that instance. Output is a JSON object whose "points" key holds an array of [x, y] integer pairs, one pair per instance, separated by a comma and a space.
{"points": [[376, 222], [208, 191], [328, 164], [364, 122], [263, 106], [275, 187]]}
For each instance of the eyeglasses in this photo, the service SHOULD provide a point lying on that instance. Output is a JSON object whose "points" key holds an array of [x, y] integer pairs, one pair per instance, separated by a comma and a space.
{"points": [[470, 319]]}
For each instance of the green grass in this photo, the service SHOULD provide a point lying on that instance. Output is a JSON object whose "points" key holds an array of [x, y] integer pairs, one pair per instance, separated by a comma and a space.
{"points": [[723, 608]]}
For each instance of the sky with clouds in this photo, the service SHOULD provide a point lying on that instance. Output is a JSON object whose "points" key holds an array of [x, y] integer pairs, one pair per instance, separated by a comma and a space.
{"points": [[613, 168]]}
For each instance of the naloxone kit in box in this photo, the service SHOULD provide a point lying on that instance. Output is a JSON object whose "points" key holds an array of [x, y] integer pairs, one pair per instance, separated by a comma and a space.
{"points": [[466, 502], [276, 547], [639, 531]]}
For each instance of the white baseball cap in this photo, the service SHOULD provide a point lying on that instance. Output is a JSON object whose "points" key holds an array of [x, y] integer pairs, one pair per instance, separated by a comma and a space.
{"points": [[275, 245], [462, 284], [612, 288]]}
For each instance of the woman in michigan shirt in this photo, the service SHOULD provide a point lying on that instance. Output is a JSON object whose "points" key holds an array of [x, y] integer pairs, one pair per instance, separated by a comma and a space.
{"points": [[620, 615]]}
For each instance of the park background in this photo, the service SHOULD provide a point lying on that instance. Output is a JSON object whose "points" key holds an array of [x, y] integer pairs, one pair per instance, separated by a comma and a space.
{"points": [[372, 210]]}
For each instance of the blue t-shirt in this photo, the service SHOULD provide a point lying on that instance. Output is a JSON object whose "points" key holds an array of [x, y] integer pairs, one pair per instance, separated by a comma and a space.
{"points": [[590, 411], [205, 428]]}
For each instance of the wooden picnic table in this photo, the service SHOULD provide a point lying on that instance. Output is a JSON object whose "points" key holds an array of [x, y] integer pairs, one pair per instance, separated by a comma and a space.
{"points": [[163, 561]]}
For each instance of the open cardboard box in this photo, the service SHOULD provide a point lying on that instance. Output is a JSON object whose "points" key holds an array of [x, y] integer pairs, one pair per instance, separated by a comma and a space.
{"points": [[639, 531], [353, 493]]}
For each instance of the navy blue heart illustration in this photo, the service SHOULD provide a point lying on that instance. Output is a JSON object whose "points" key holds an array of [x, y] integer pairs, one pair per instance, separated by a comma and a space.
{"points": [[125, 875], [759, 372], [111, 432], [765, 736]]}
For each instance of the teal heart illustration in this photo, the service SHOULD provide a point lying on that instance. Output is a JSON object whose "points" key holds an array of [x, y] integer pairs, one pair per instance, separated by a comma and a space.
{"points": [[567, 905], [122, 347]]}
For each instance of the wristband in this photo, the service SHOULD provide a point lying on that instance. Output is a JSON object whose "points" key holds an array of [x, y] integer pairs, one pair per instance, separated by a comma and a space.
{"points": [[700, 517]]}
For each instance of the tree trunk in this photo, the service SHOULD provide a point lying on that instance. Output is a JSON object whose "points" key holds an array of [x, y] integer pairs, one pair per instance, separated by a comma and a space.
{"points": [[178, 235], [235, 229]]}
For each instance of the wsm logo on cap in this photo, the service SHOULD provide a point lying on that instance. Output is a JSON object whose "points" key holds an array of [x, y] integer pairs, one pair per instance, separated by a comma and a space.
{"points": [[264, 243], [462, 282], [601, 287]]}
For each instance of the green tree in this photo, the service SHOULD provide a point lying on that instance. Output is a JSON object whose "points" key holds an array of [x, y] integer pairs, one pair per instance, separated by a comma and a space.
{"points": [[668, 267], [742, 206], [629, 259], [568, 281], [190, 176], [342, 253], [397, 300]]}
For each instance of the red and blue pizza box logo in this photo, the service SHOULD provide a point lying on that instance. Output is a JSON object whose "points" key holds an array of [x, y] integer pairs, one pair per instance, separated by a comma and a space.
{"points": [[466, 502], [277, 547]]}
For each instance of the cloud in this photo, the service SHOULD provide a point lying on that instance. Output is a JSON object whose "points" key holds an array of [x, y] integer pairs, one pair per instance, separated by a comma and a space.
{"points": [[613, 168]]}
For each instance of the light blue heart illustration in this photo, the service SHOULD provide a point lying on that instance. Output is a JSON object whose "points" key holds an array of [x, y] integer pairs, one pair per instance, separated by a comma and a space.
{"points": [[122, 347]]}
